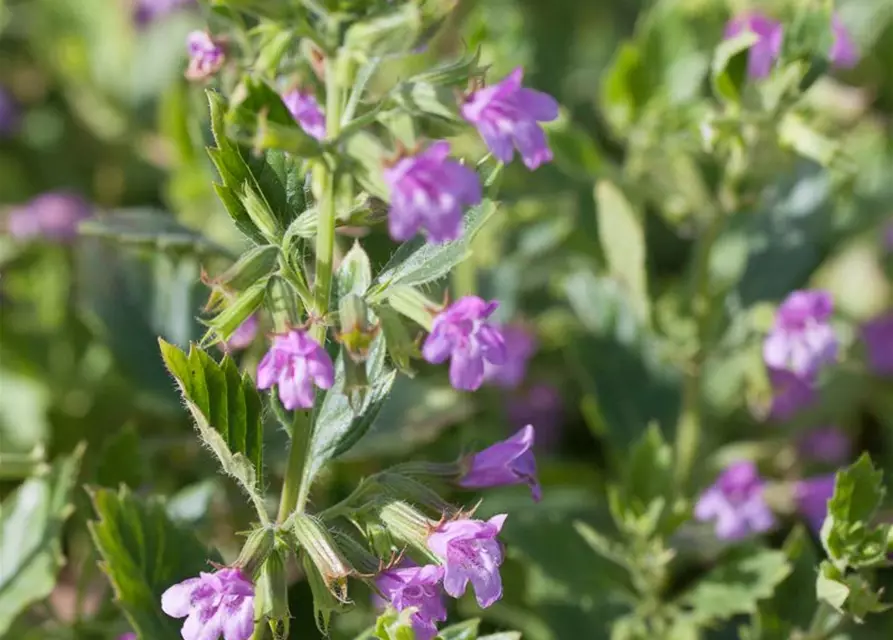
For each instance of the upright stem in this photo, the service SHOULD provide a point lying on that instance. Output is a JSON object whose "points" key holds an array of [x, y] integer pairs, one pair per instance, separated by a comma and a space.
{"points": [[688, 431], [294, 489]]}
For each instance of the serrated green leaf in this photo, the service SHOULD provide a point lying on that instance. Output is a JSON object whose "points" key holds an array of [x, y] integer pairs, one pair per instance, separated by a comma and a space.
{"points": [[31, 521], [149, 228], [336, 426], [419, 262], [467, 630], [143, 554], [737, 585], [728, 71], [622, 237], [227, 410]]}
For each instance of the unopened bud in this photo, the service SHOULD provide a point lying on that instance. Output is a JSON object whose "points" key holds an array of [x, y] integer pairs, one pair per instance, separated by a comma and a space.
{"points": [[271, 595], [325, 601], [407, 524], [406, 488], [456, 73], [240, 308], [322, 551], [357, 554], [256, 550], [260, 214], [357, 333], [253, 266], [401, 346], [413, 304]]}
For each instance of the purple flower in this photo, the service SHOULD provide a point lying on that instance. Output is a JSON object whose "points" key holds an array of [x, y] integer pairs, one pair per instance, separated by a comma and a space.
{"points": [[520, 345], [470, 552], [54, 216], [9, 114], [791, 393], [735, 502], [148, 11], [305, 110], [826, 444], [418, 587], [802, 340], [243, 336], [540, 405], [507, 116], [505, 463], [843, 52], [764, 52], [295, 362], [428, 191], [878, 337], [812, 497], [206, 55], [460, 332], [220, 603], [130, 635]]}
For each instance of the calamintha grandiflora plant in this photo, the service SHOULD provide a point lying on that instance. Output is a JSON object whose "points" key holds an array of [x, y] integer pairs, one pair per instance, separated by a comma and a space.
{"points": [[302, 149]]}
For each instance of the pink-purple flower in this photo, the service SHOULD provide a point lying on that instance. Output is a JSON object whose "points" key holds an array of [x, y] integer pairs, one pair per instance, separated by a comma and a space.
{"points": [[417, 587], [148, 11], [877, 335], [735, 503], [520, 345], [10, 114], [470, 552], [295, 363], [790, 393], [802, 339], [826, 444], [461, 332], [206, 55], [507, 116], [214, 604], [505, 463], [53, 216], [765, 51], [811, 496], [243, 336], [130, 635], [305, 110], [428, 191], [843, 53]]}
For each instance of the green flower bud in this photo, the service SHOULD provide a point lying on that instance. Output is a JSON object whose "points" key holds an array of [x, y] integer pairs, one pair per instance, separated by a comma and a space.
{"points": [[259, 211], [224, 324], [322, 551], [407, 524], [357, 333], [413, 304], [457, 73], [325, 601], [256, 550], [406, 488], [401, 347], [271, 594], [357, 554], [254, 265]]}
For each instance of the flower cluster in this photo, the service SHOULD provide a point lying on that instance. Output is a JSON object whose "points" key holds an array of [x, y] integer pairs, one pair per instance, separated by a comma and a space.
{"points": [[770, 35]]}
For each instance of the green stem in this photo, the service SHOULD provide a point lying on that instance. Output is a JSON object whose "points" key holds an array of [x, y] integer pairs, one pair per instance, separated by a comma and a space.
{"points": [[688, 430], [825, 623], [295, 489]]}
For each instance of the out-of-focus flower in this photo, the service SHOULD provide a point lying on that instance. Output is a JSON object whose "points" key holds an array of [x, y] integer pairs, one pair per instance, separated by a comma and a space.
{"points": [[429, 191], [243, 336], [802, 339], [790, 393], [505, 463], [470, 553], [812, 497], [206, 55], [130, 635], [735, 503], [878, 337], [520, 345], [214, 604], [148, 11], [765, 51], [295, 363], [53, 216], [461, 332], [826, 444], [540, 405], [507, 116], [418, 587], [843, 53], [10, 114], [305, 110]]}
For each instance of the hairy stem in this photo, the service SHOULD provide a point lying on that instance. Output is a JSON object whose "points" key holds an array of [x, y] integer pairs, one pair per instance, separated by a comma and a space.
{"points": [[295, 490]]}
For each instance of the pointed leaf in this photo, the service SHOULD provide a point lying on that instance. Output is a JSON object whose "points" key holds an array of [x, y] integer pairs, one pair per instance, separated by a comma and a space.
{"points": [[143, 554], [728, 72]]}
